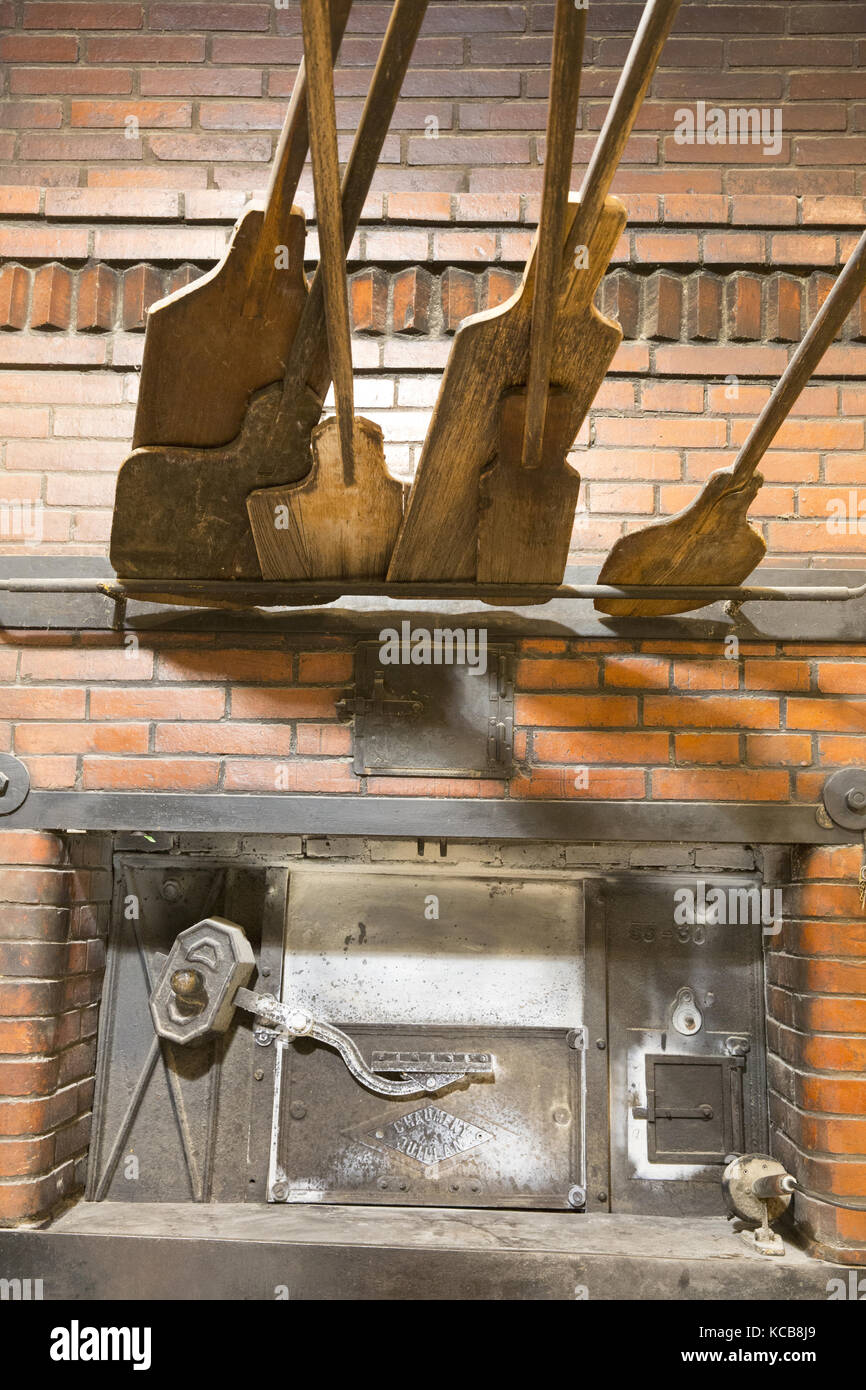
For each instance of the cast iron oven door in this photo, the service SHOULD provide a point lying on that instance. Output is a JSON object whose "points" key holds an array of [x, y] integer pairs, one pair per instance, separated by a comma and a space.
{"points": [[406, 961], [434, 960], [515, 1142], [694, 1109]]}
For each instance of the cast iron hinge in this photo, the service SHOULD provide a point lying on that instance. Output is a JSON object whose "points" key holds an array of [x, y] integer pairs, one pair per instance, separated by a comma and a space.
{"points": [[500, 738]]}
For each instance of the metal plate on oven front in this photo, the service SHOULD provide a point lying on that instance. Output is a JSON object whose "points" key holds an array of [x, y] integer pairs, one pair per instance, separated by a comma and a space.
{"points": [[175, 1123], [442, 720], [434, 947], [651, 959], [515, 1141]]}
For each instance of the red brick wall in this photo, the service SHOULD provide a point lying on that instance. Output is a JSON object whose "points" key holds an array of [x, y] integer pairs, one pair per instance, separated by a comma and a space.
{"points": [[817, 1038], [728, 254], [55, 894], [208, 85], [657, 719]]}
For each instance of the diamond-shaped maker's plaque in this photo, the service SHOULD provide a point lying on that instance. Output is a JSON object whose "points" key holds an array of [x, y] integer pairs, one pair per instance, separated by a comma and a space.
{"points": [[428, 1135]]}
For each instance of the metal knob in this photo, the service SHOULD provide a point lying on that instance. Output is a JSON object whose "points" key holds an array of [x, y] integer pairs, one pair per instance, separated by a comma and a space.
{"points": [[188, 988]]}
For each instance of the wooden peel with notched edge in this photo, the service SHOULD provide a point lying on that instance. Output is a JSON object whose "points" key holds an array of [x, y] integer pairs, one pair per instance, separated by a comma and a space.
{"points": [[210, 345], [438, 540], [342, 519], [527, 496], [710, 541], [180, 513]]}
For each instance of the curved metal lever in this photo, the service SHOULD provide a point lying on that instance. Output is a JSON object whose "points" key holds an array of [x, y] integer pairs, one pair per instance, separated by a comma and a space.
{"points": [[290, 1022]]}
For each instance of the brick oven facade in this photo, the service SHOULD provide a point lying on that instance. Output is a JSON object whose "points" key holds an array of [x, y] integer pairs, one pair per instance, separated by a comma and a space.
{"points": [[656, 721], [130, 137]]}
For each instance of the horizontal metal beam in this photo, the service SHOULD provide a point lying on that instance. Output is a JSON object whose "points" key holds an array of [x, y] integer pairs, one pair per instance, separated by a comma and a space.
{"points": [[47, 604], [452, 818], [268, 594]]}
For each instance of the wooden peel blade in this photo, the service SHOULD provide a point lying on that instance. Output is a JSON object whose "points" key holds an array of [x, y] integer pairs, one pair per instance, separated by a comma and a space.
{"points": [[526, 510], [342, 520], [710, 541], [180, 513], [438, 540], [326, 527], [525, 515], [439, 537], [209, 346]]}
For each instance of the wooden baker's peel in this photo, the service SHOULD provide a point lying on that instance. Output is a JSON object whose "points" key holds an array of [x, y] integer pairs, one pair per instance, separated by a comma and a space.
{"points": [[525, 515], [180, 513], [439, 538], [528, 495], [209, 346], [710, 541], [327, 527], [341, 521]]}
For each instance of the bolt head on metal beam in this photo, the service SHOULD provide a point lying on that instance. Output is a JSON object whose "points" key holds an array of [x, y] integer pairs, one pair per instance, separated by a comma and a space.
{"points": [[14, 783], [845, 798]]}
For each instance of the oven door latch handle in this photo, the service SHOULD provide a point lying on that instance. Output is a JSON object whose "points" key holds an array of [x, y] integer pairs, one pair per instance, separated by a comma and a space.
{"points": [[651, 1112], [203, 981], [421, 1073]]}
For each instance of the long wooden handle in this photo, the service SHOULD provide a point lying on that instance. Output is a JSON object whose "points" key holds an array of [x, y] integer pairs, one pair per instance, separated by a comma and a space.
{"points": [[407, 16], [566, 61], [308, 362], [293, 145], [822, 330], [329, 218], [646, 49]]}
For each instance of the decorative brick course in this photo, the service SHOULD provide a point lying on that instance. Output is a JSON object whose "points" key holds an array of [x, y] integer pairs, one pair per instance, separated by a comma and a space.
{"points": [[368, 300], [97, 299], [670, 411]]}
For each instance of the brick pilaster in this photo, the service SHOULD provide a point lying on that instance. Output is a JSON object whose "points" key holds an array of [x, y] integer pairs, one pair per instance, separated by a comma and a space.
{"points": [[816, 994], [55, 892]]}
